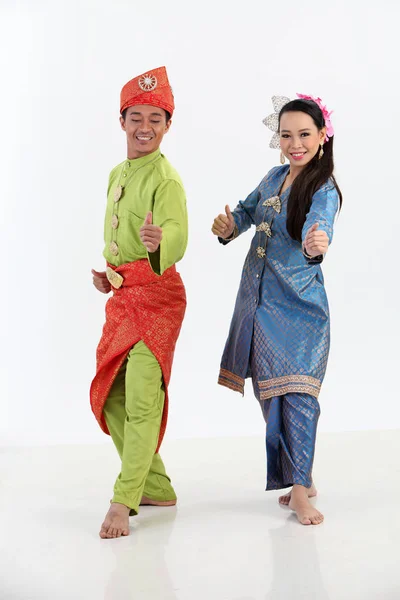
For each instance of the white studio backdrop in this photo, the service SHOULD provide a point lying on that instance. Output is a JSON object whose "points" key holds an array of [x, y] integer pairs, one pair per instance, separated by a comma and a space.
{"points": [[63, 64]]}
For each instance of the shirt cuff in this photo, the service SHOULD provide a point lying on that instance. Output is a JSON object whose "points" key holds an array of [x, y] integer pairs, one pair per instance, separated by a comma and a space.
{"points": [[313, 260]]}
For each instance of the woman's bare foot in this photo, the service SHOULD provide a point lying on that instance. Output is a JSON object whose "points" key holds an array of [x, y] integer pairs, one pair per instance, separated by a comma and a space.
{"points": [[116, 522], [145, 501], [301, 505], [284, 500]]}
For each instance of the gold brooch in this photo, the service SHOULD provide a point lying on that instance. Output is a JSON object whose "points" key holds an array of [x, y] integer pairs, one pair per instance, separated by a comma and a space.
{"points": [[260, 252], [265, 227], [148, 82], [114, 278], [275, 202]]}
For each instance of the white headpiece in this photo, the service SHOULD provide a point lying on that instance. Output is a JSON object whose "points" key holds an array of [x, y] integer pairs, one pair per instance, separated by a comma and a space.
{"points": [[272, 121]]}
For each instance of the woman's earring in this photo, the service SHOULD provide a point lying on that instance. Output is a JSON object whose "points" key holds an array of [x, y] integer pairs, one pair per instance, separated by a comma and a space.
{"points": [[321, 152], [282, 158]]}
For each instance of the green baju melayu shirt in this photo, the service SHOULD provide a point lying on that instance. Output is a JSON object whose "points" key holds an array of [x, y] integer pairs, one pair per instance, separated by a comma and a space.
{"points": [[148, 184]]}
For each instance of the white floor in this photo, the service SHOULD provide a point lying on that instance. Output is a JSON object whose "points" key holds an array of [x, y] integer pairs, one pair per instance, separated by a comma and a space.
{"points": [[227, 539]]}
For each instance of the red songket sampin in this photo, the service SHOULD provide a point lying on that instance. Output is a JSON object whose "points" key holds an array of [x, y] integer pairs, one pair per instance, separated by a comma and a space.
{"points": [[146, 307]]}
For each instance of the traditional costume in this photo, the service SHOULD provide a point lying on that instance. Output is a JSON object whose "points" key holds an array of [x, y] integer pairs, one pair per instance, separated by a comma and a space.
{"points": [[279, 335], [129, 394]]}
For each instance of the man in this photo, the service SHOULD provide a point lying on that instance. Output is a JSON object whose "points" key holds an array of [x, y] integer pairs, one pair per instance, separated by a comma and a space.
{"points": [[145, 235]]}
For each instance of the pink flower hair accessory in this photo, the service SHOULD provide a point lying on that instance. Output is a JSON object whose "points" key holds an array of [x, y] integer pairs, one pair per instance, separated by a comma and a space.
{"points": [[327, 114]]}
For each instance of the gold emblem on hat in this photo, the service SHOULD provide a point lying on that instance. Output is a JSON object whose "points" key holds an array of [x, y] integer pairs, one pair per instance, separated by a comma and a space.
{"points": [[118, 193], [148, 82]]}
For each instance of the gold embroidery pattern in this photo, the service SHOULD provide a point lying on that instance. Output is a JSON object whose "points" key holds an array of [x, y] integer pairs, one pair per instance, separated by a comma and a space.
{"points": [[232, 376], [261, 252], [267, 383], [231, 381], [289, 384]]}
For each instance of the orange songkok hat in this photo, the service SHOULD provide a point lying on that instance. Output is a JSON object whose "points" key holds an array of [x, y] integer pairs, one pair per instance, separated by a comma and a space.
{"points": [[151, 88]]}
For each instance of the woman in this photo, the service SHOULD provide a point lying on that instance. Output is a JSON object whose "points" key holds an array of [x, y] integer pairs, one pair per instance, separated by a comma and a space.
{"points": [[279, 334]]}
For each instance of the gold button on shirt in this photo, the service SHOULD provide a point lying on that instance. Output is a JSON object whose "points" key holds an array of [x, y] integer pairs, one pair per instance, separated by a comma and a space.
{"points": [[117, 193], [114, 248]]}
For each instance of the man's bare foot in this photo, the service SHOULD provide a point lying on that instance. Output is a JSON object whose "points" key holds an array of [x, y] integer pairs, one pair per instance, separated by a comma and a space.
{"points": [[285, 499], [116, 522], [145, 501], [301, 505]]}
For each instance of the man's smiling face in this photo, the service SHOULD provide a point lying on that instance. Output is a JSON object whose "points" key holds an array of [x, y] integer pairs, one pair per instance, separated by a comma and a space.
{"points": [[145, 127]]}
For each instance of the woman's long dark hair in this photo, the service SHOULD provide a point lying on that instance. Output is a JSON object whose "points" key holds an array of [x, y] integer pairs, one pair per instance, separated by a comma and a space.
{"points": [[313, 176]]}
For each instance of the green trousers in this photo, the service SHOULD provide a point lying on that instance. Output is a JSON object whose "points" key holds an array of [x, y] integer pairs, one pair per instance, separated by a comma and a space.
{"points": [[133, 414]]}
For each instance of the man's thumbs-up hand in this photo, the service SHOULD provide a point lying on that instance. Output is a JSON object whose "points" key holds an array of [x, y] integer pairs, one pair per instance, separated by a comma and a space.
{"points": [[150, 234]]}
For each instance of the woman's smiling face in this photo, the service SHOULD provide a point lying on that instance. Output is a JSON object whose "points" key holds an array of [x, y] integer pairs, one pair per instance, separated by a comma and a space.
{"points": [[300, 138]]}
